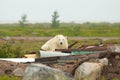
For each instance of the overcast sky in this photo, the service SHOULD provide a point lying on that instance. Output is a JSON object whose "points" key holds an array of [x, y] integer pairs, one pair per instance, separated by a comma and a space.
{"points": [[69, 10]]}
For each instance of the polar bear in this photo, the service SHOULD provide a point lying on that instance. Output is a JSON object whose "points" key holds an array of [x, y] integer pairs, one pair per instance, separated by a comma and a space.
{"points": [[58, 42]]}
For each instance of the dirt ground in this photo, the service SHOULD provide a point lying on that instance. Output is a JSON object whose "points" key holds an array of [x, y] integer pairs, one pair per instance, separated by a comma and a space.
{"points": [[113, 69], [109, 72], [6, 67], [47, 38]]}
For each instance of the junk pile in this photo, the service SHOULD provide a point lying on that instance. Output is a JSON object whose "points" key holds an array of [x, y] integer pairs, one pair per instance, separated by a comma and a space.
{"points": [[82, 63], [75, 50], [85, 62]]}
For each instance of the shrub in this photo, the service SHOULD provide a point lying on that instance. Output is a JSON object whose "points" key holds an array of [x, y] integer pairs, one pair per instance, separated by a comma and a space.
{"points": [[8, 50]]}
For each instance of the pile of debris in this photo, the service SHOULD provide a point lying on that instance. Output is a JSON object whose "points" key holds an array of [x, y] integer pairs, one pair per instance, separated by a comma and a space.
{"points": [[67, 64], [100, 62]]}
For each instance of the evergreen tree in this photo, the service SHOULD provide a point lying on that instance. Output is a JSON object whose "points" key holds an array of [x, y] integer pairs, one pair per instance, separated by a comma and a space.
{"points": [[23, 20], [55, 22]]}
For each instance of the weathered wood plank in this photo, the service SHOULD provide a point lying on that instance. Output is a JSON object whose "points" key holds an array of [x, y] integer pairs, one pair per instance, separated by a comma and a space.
{"points": [[96, 48], [72, 44]]}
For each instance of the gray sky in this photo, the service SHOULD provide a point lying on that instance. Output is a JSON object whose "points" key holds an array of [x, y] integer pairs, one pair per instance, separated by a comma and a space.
{"points": [[69, 10]]}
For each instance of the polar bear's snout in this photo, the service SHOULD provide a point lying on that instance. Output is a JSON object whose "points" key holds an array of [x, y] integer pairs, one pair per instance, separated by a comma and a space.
{"points": [[61, 43]]}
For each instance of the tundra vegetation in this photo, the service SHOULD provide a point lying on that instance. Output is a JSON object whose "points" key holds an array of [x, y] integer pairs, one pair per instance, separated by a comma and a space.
{"points": [[69, 29], [17, 48]]}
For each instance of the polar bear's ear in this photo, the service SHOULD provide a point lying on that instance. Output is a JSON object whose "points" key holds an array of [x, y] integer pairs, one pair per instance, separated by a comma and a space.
{"points": [[56, 37]]}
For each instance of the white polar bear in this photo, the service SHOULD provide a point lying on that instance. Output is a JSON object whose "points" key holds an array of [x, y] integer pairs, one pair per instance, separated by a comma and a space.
{"points": [[58, 42]]}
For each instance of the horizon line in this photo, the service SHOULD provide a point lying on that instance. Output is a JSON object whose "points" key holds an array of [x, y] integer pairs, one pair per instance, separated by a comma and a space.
{"points": [[34, 22]]}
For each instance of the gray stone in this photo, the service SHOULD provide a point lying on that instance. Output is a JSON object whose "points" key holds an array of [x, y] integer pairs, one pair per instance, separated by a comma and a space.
{"points": [[18, 72], [42, 72], [90, 70]]}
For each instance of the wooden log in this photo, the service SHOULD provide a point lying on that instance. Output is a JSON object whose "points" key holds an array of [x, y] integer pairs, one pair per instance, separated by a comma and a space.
{"points": [[95, 48], [47, 59], [67, 50], [72, 44], [65, 58]]}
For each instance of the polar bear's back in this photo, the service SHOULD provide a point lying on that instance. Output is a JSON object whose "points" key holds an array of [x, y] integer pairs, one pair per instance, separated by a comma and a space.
{"points": [[47, 46]]}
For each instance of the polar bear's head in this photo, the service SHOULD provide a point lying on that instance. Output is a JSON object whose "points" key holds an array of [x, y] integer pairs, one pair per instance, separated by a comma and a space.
{"points": [[61, 40]]}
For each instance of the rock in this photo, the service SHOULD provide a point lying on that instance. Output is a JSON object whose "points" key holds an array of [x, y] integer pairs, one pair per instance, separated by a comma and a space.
{"points": [[87, 71], [42, 72], [18, 72], [117, 48], [90, 70], [117, 57], [1, 72], [103, 61]]}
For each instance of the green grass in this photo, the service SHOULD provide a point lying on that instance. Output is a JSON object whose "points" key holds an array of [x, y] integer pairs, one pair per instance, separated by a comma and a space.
{"points": [[13, 49], [10, 50], [113, 41], [16, 49], [5, 77], [103, 78], [19, 48], [68, 29]]}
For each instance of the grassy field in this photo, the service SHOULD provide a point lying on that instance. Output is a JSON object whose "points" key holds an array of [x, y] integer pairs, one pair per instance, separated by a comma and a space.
{"points": [[15, 48], [68, 29]]}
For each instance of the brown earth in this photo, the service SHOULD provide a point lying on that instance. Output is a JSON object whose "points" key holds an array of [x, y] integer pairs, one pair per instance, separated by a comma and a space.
{"points": [[47, 38], [7, 67], [113, 69]]}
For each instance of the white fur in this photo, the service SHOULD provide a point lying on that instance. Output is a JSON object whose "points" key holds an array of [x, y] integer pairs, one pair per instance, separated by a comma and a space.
{"points": [[58, 42]]}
